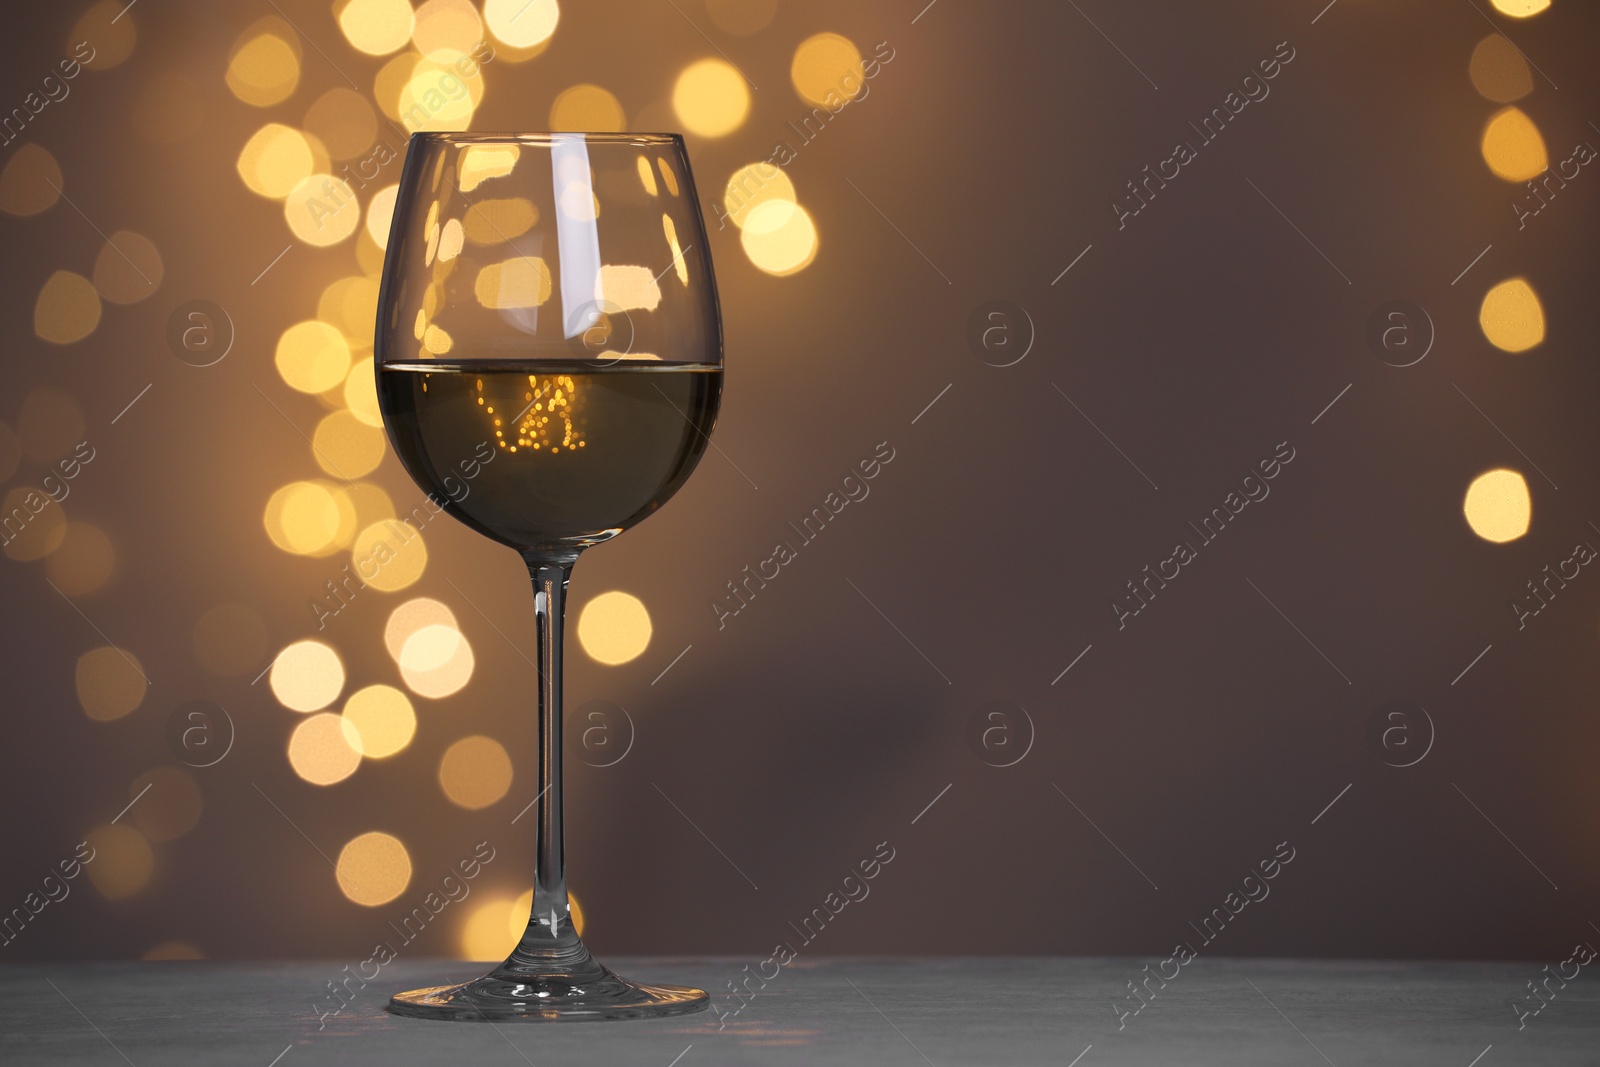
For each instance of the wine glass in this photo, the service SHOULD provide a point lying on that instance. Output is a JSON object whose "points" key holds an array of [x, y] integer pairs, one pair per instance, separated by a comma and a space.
{"points": [[549, 365]]}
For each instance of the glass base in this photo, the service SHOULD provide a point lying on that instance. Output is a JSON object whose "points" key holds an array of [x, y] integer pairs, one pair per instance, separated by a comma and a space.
{"points": [[549, 982]]}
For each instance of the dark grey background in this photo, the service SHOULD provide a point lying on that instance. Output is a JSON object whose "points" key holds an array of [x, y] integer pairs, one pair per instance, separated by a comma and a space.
{"points": [[827, 715]]}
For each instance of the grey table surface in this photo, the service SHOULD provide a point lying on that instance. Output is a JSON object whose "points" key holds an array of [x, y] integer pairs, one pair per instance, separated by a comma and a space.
{"points": [[991, 1011]]}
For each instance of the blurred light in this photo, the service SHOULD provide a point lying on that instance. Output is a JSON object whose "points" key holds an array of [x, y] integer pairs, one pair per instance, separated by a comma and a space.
{"points": [[710, 98], [451, 239], [495, 927], [412, 616], [322, 750], [172, 806], [438, 97], [84, 560], [30, 182], [310, 518], [389, 555], [110, 683], [68, 308], [230, 639], [274, 160], [779, 237], [45, 530], [475, 772], [1498, 70], [678, 264], [343, 121], [480, 162], [647, 177], [382, 718], [108, 27], [741, 17], [752, 184], [351, 304], [128, 268], [521, 23], [1497, 506], [391, 81], [436, 662], [827, 70], [347, 447], [306, 676], [492, 221], [172, 950], [376, 27], [361, 393], [1520, 9], [122, 862], [627, 288], [667, 177], [265, 67], [322, 210], [614, 628], [380, 214], [436, 341], [371, 504], [312, 356], [579, 202], [1511, 316], [519, 282], [169, 108], [522, 911], [447, 29], [49, 425], [1513, 147], [374, 868], [586, 108], [369, 257]]}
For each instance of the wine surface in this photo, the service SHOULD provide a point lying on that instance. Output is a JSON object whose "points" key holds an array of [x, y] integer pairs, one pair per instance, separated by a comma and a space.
{"points": [[549, 454]]}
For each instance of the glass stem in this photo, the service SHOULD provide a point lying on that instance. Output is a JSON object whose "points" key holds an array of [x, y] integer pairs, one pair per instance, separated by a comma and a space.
{"points": [[549, 927]]}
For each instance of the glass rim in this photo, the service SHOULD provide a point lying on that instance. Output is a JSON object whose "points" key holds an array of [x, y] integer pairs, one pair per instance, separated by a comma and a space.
{"points": [[544, 137]]}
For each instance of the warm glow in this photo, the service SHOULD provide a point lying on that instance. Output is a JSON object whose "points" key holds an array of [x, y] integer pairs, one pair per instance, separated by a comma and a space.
{"points": [[1513, 147], [322, 210], [626, 288], [389, 555], [670, 231], [110, 683], [109, 27], [475, 772], [412, 616], [274, 160], [380, 214], [351, 304], [710, 98], [322, 749], [374, 868], [312, 356], [123, 861], [343, 121], [754, 184], [309, 518], [1511, 316], [361, 393], [371, 504], [1520, 9], [1498, 70], [377, 27], [30, 182], [521, 23], [382, 718], [779, 237], [306, 676], [45, 530], [436, 661], [1497, 506], [84, 560], [647, 177], [391, 81], [346, 447], [827, 70], [68, 308], [447, 29], [451, 239], [519, 282], [614, 628], [438, 97], [587, 108], [496, 926], [490, 222], [741, 17], [265, 68], [230, 639], [523, 909], [128, 268], [481, 162], [170, 807]]}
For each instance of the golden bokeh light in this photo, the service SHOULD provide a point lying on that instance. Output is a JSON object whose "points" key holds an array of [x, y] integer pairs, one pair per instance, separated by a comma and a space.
{"points": [[383, 720], [35, 525], [412, 616], [389, 555], [172, 950], [351, 304], [614, 628], [30, 182], [391, 81], [519, 282], [741, 17], [309, 519], [627, 287], [754, 184], [380, 214], [306, 676], [1513, 146], [475, 772], [312, 356], [436, 661], [710, 98], [376, 27], [522, 23], [481, 162], [68, 308], [230, 639], [343, 121], [169, 108], [108, 28], [494, 927], [586, 108], [647, 177], [166, 803], [447, 29], [274, 160], [361, 393], [322, 210], [322, 749], [265, 66], [1520, 9], [670, 231], [1498, 506], [347, 447], [779, 237], [1512, 317], [110, 683], [437, 96], [452, 238], [374, 868], [83, 562], [490, 222], [827, 70], [123, 861], [49, 425], [128, 268], [1498, 71]]}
